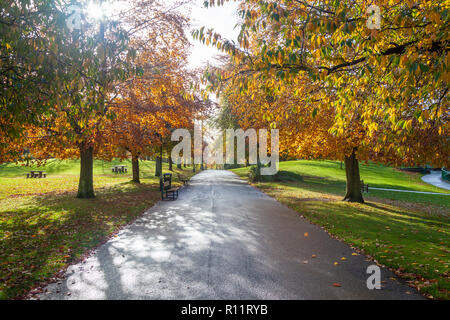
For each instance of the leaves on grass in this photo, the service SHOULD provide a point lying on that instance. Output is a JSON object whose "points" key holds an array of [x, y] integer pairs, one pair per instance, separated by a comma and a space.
{"points": [[406, 252], [42, 234]]}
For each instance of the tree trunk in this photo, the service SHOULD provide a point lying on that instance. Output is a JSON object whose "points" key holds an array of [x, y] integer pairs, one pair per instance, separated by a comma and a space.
{"points": [[135, 167], [247, 151], [354, 193], [170, 164], [86, 184], [179, 165]]}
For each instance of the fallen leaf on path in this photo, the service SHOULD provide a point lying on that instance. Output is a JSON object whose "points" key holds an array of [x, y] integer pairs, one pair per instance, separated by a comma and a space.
{"points": [[335, 263], [336, 284], [314, 256], [354, 254], [306, 234], [344, 259]]}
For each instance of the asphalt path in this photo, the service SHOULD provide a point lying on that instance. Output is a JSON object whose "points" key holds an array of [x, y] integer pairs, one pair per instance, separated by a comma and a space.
{"points": [[223, 239], [435, 178]]}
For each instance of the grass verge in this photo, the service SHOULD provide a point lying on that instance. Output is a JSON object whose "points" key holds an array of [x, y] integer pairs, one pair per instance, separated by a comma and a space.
{"points": [[44, 227], [410, 237]]}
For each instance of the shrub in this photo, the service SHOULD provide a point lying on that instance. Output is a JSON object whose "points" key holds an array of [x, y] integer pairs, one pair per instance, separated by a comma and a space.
{"points": [[254, 174]]}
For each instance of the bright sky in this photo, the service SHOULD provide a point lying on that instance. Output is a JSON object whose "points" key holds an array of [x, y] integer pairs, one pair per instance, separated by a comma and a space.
{"points": [[222, 19]]}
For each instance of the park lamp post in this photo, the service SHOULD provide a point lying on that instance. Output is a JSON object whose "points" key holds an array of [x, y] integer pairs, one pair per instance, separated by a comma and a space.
{"points": [[158, 168], [158, 159]]}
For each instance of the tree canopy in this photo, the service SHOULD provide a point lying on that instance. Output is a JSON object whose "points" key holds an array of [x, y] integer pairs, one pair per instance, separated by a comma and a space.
{"points": [[68, 93], [337, 88]]}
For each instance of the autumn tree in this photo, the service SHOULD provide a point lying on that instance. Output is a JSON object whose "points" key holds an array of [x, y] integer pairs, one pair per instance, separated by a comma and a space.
{"points": [[95, 61], [141, 129], [32, 42], [154, 103], [383, 92]]}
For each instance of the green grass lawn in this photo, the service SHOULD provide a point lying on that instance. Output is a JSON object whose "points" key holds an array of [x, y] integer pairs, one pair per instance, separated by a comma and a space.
{"points": [[406, 232], [44, 227], [328, 176]]}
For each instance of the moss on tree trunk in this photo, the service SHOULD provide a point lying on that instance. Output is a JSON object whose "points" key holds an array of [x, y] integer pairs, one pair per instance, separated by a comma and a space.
{"points": [[353, 188]]}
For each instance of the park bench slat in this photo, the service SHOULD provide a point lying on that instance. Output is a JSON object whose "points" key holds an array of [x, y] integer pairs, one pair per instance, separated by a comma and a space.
{"points": [[36, 174]]}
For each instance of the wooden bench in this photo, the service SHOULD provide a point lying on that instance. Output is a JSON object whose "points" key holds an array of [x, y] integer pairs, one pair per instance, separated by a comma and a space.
{"points": [[183, 179], [119, 169], [36, 174], [167, 191], [364, 187]]}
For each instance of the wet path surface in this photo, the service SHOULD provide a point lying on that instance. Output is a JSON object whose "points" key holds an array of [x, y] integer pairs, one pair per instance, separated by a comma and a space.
{"points": [[222, 239]]}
